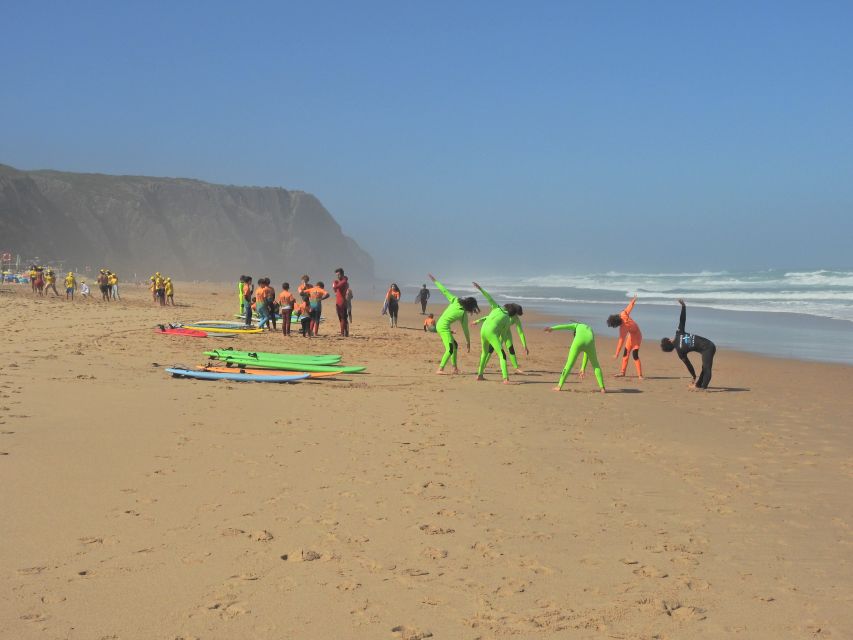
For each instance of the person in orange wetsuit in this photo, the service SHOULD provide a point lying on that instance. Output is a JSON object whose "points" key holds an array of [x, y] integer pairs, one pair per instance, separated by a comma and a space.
{"points": [[629, 336]]}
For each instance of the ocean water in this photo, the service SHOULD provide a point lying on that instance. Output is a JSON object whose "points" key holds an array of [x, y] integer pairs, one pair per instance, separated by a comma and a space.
{"points": [[807, 315]]}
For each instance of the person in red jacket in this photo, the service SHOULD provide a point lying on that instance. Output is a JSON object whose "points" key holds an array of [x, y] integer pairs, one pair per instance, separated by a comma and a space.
{"points": [[341, 288]]}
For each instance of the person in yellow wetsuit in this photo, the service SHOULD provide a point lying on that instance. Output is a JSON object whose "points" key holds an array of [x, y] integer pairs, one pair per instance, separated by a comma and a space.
{"points": [[70, 286], [50, 282], [113, 282], [170, 291]]}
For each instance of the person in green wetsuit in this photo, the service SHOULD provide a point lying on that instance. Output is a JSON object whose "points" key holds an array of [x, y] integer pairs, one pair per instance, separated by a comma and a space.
{"points": [[514, 321], [494, 331], [584, 342], [456, 311]]}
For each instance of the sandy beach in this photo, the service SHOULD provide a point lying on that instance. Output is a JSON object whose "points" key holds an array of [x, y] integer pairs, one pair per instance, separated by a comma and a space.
{"points": [[401, 504]]}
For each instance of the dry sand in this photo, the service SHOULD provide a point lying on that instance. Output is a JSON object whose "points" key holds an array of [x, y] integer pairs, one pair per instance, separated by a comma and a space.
{"points": [[401, 504]]}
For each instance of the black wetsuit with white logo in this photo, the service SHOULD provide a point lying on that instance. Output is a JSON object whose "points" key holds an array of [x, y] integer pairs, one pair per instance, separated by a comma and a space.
{"points": [[687, 342]]}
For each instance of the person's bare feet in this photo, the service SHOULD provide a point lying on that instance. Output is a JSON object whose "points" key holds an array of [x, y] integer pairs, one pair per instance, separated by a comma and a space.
{"points": [[480, 378], [640, 378], [618, 375], [556, 389], [440, 372], [455, 371], [603, 390]]}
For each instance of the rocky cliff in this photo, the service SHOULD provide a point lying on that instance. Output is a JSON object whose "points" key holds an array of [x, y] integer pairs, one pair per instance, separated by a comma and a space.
{"points": [[187, 228]]}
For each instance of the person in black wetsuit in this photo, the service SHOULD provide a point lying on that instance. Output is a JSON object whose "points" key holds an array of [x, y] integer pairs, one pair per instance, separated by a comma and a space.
{"points": [[684, 343]]}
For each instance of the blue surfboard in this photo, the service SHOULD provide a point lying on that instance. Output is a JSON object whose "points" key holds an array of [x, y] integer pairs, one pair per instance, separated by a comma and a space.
{"points": [[236, 377]]}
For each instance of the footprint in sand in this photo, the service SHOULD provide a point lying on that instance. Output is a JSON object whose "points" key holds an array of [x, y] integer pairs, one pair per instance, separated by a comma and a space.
{"points": [[650, 572], [434, 554], [433, 530], [33, 617], [52, 598], [410, 633], [348, 585], [31, 571]]}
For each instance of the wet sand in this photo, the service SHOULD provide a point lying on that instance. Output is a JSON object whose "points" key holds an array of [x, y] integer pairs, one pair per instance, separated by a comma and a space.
{"points": [[401, 504]]}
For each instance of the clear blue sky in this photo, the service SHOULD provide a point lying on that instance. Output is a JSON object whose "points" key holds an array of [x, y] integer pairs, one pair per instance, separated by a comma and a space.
{"points": [[542, 137]]}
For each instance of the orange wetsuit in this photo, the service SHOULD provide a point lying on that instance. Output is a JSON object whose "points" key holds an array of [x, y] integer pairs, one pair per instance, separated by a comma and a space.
{"points": [[631, 337]]}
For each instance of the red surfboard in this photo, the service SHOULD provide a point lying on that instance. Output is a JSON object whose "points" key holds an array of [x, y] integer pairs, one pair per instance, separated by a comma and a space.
{"points": [[180, 331]]}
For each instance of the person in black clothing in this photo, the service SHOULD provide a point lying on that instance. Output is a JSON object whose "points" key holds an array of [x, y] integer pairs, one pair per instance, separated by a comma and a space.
{"points": [[684, 343], [423, 298]]}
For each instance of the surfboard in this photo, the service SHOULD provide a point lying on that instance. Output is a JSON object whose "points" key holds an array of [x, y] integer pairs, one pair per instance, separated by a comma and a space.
{"points": [[272, 372], [180, 331], [236, 377], [265, 355], [289, 366]]}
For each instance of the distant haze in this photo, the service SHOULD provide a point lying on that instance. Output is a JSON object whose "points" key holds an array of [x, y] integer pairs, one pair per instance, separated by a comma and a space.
{"points": [[469, 138]]}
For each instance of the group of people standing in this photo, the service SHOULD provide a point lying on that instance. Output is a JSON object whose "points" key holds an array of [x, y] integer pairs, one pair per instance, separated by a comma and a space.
{"points": [[162, 289], [43, 280], [108, 285], [496, 337], [306, 309]]}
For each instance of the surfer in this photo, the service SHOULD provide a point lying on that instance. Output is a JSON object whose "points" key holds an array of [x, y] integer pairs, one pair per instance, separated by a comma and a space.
{"points": [[683, 343], [316, 295], [70, 285], [247, 300], [392, 302], [456, 311], [494, 331], [584, 342], [341, 288], [50, 282], [515, 321], [422, 297], [285, 303], [630, 336]]}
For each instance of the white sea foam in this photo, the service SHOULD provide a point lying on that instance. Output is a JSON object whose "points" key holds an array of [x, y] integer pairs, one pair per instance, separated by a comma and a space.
{"points": [[820, 293]]}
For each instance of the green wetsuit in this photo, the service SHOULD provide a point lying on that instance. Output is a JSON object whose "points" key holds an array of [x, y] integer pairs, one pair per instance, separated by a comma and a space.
{"points": [[507, 341], [454, 312], [492, 335], [584, 342]]}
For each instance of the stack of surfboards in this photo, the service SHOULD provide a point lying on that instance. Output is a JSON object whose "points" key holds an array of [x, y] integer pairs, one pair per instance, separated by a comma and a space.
{"points": [[260, 366]]}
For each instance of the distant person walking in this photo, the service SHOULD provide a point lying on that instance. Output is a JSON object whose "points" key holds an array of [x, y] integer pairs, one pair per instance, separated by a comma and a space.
{"points": [[423, 298], [341, 288], [392, 302], [683, 343], [349, 304]]}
